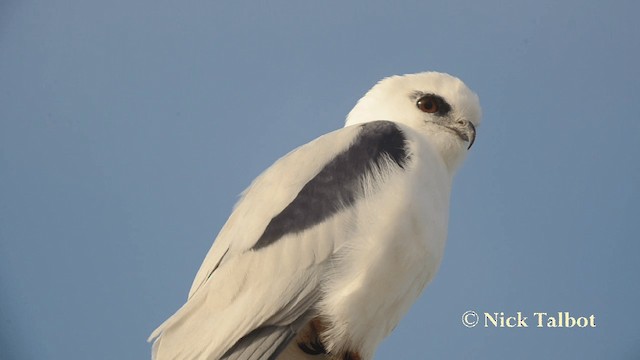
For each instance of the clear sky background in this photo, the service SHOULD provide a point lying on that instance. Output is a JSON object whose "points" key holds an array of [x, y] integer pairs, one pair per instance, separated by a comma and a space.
{"points": [[128, 129]]}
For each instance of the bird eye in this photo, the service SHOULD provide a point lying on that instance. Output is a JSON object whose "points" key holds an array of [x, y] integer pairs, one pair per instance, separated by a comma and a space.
{"points": [[428, 104]]}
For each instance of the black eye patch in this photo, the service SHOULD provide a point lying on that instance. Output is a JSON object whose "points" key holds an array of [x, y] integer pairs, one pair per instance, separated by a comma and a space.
{"points": [[431, 103]]}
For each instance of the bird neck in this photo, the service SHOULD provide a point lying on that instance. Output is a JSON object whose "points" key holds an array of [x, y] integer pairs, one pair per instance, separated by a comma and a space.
{"points": [[452, 150]]}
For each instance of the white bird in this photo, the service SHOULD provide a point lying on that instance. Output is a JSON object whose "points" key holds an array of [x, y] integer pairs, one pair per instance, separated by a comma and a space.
{"points": [[330, 246]]}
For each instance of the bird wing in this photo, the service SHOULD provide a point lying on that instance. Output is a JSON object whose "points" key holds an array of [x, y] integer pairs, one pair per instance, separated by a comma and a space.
{"points": [[259, 282]]}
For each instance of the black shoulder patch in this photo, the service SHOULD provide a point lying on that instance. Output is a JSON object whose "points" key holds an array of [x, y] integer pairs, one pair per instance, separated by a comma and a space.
{"points": [[338, 184]]}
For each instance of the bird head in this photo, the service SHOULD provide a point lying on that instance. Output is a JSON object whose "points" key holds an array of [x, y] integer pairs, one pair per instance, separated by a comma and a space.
{"points": [[437, 105]]}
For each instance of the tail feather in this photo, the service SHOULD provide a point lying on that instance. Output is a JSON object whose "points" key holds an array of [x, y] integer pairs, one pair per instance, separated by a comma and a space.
{"points": [[266, 342]]}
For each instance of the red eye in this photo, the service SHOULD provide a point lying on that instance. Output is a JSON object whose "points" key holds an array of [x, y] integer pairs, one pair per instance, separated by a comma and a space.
{"points": [[428, 104]]}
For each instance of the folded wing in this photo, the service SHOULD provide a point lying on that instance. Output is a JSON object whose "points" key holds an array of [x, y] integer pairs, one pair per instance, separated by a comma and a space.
{"points": [[259, 282]]}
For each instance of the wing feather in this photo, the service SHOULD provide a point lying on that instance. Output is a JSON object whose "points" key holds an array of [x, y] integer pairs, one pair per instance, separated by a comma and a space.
{"points": [[268, 194], [249, 299]]}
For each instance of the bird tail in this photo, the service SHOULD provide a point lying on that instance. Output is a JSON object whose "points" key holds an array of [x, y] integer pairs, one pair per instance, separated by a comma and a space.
{"points": [[265, 342]]}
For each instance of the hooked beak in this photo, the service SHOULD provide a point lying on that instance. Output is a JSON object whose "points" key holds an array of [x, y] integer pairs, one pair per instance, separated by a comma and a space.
{"points": [[465, 130], [472, 134]]}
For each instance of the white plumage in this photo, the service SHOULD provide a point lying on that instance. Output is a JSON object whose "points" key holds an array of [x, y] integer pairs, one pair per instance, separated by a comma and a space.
{"points": [[330, 246]]}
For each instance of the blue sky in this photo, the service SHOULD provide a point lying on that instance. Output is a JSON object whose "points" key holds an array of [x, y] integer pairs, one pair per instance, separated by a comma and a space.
{"points": [[128, 129]]}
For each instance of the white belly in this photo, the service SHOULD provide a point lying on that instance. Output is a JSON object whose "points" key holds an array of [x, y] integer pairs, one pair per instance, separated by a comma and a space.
{"points": [[394, 250]]}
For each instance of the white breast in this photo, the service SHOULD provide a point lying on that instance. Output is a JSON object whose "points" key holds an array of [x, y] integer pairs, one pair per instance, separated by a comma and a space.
{"points": [[393, 250]]}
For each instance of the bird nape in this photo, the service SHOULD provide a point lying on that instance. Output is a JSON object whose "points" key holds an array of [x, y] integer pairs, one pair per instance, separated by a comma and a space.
{"points": [[329, 247]]}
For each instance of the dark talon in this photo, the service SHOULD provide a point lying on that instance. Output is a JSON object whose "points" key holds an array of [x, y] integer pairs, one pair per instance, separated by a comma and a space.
{"points": [[314, 348]]}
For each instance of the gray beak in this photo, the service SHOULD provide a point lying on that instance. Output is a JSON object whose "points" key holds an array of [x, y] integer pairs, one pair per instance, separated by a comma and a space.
{"points": [[472, 134], [465, 130]]}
